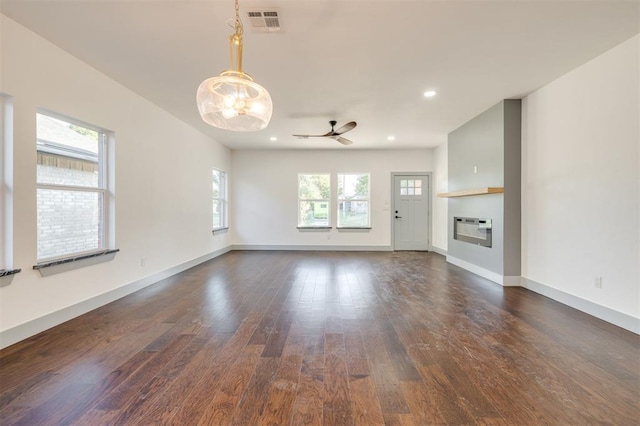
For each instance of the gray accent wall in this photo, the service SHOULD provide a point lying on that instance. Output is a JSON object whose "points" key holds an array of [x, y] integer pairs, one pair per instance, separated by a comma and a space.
{"points": [[512, 187], [485, 152]]}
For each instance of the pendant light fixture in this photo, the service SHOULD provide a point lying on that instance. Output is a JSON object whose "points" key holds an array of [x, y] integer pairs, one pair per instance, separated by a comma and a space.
{"points": [[233, 101]]}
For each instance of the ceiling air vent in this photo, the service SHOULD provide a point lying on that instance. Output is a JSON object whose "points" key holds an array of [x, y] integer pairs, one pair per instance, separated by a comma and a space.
{"points": [[264, 21]]}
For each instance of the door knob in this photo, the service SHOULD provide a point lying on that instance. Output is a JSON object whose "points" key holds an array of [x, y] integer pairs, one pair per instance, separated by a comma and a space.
{"points": [[398, 217]]}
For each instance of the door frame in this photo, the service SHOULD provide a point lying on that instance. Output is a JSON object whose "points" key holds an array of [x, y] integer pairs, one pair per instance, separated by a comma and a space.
{"points": [[393, 203]]}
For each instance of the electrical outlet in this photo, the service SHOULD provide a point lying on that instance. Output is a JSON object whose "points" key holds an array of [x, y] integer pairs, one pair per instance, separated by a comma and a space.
{"points": [[143, 261], [475, 169], [598, 282]]}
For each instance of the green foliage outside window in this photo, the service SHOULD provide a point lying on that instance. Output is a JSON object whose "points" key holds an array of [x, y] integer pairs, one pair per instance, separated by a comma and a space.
{"points": [[314, 192]]}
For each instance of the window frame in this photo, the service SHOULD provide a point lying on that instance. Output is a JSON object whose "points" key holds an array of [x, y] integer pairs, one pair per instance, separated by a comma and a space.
{"points": [[301, 225], [6, 228], [102, 189], [223, 198], [343, 199]]}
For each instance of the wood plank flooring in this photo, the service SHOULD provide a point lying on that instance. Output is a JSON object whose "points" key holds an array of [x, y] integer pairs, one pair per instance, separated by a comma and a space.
{"points": [[306, 338]]}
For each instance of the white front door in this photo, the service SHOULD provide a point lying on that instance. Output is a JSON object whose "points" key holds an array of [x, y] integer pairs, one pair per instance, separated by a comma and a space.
{"points": [[411, 212]]}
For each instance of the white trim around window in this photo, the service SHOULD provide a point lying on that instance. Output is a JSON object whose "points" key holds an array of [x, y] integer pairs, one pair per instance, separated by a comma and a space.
{"points": [[74, 199], [220, 203], [6, 175]]}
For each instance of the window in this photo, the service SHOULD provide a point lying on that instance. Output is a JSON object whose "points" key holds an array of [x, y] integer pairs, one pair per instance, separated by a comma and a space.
{"points": [[6, 226], [411, 187], [353, 200], [314, 191], [219, 180], [72, 193]]}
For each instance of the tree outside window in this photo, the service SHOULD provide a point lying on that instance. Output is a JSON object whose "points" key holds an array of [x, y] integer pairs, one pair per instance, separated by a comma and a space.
{"points": [[314, 192]]}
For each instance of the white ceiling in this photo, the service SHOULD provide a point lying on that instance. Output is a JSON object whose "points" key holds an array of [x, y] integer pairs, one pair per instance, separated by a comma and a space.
{"points": [[368, 61]]}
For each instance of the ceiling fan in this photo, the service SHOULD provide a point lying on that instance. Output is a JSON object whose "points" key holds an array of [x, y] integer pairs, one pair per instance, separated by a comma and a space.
{"points": [[334, 134]]}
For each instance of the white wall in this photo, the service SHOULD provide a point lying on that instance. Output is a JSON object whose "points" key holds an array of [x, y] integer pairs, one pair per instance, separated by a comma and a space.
{"points": [[581, 184], [162, 178], [440, 205], [264, 191]]}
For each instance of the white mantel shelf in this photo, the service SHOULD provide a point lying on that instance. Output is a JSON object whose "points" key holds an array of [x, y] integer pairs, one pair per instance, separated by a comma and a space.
{"points": [[469, 192]]}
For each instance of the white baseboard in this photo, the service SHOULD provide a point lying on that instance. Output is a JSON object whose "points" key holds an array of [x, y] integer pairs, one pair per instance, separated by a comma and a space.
{"points": [[31, 328], [309, 248], [511, 281], [20, 332], [612, 316], [609, 315], [439, 251], [503, 280], [485, 273]]}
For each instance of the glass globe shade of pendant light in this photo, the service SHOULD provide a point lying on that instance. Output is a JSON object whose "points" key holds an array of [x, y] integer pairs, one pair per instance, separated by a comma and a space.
{"points": [[233, 101]]}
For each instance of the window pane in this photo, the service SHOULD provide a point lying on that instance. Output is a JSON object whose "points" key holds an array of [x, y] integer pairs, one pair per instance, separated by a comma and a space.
{"points": [[403, 183], [314, 186], [5, 225], [403, 191], [219, 207], [54, 169], [68, 222], [219, 193], [353, 186], [67, 154], [313, 213], [216, 184], [353, 213], [418, 191], [418, 183], [217, 218]]}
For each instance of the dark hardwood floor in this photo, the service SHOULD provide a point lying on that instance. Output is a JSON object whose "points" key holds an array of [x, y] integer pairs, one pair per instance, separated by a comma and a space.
{"points": [[325, 338]]}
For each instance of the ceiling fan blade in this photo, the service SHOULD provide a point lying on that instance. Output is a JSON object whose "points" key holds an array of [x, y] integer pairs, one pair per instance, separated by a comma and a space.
{"points": [[309, 136], [334, 134], [343, 141], [345, 128]]}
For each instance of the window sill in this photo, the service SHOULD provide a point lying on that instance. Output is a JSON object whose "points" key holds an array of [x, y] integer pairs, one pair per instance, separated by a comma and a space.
{"points": [[70, 263], [353, 228], [220, 230], [314, 228], [6, 276], [7, 272]]}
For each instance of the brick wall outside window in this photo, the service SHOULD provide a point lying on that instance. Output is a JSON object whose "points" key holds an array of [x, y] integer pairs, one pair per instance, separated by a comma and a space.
{"points": [[68, 221]]}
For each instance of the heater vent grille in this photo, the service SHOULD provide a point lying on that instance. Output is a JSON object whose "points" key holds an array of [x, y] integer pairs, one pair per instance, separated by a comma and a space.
{"points": [[265, 21]]}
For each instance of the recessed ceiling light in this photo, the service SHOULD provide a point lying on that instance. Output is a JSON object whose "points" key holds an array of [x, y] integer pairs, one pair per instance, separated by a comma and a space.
{"points": [[273, 139], [391, 138], [429, 93]]}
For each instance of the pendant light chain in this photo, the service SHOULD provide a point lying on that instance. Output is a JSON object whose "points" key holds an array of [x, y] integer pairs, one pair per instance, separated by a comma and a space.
{"points": [[238, 25], [236, 41]]}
